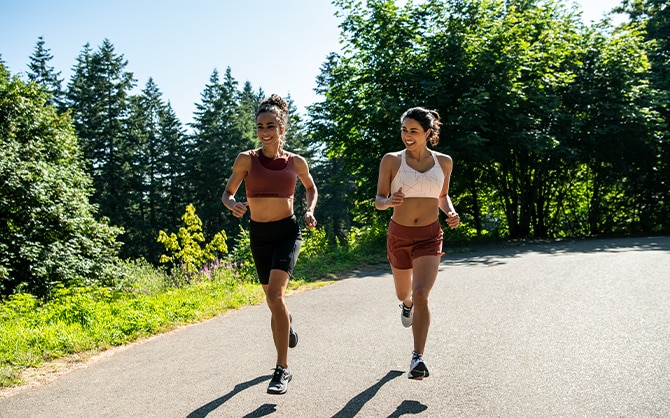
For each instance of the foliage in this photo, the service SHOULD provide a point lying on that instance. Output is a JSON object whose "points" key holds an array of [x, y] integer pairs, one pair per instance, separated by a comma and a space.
{"points": [[184, 247], [78, 320], [98, 99], [157, 170], [654, 17], [44, 75], [541, 114], [241, 256], [528, 95], [314, 243], [223, 127], [48, 234]]}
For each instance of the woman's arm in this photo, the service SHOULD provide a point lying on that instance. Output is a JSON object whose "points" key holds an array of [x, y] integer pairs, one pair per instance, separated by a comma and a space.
{"points": [[241, 167], [388, 165], [444, 201], [311, 193]]}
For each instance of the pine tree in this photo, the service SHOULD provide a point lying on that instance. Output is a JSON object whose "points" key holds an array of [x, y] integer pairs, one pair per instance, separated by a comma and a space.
{"points": [[220, 134], [173, 165], [45, 76], [156, 170], [98, 94]]}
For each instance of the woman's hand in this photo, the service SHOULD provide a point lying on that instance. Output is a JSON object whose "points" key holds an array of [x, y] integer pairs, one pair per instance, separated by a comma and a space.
{"points": [[396, 198], [239, 209], [453, 219], [310, 220]]}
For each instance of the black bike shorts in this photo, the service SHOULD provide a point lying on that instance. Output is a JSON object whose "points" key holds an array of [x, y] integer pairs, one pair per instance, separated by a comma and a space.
{"points": [[275, 245]]}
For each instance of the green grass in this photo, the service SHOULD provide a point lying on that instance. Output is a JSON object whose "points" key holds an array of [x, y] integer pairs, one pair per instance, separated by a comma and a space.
{"points": [[147, 301]]}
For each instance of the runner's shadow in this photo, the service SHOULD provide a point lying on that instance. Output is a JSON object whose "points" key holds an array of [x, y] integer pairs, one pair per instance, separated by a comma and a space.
{"points": [[408, 408], [204, 410], [354, 406], [263, 410]]}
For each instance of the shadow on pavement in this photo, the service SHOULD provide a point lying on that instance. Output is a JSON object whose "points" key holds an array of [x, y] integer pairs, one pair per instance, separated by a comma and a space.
{"points": [[263, 410], [354, 406], [408, 408], [496, 254], [204, 410]]}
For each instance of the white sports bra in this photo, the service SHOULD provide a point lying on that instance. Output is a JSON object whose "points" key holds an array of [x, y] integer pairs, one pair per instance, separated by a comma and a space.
{"points": [[417, 184]]}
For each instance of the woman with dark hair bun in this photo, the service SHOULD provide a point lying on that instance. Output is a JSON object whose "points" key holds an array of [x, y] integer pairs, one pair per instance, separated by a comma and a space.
{"points": [[415, 183], [270, 174]]}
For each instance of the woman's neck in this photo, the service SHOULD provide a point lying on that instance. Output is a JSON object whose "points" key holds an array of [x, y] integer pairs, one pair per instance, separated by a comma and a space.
{"points": [[271, 152], [419, 155]]}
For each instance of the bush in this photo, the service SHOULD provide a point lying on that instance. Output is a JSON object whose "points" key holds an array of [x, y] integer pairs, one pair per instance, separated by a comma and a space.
{"points": [[185, 252], [48, 233]]}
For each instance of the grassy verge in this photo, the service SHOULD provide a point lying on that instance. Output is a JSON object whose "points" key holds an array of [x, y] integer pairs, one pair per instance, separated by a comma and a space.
{"points": [[89, 320]]}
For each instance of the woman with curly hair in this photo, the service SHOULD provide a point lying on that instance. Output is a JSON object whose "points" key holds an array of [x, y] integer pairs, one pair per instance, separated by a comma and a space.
{"points": [[270, 174]]}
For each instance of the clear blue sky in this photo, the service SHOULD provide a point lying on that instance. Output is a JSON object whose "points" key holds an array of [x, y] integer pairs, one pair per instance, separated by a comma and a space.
{"points": [[278, 45]]}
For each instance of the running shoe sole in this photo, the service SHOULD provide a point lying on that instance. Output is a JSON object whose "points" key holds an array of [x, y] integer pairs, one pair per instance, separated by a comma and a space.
{"points": [[406, 319], [292, 336], [418, 372], [272, 390]]}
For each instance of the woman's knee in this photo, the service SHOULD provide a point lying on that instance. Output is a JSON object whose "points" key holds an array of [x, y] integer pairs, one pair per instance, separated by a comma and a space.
{"points": [[275, 300], [420, 295]]}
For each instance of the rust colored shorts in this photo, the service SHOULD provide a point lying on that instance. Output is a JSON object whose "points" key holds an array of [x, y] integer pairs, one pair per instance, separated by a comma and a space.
{"points": [[405, 243]]}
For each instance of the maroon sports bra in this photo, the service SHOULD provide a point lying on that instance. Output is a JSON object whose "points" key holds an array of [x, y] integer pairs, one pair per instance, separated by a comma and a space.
{"points": [[271, 177]]}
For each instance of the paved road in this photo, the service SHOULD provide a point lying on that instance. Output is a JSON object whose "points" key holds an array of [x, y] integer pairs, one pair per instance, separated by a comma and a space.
{"points": [[574, 328]]}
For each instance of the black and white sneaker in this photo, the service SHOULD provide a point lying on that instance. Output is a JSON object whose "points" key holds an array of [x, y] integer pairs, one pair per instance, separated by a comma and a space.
{"points": [[406, 315], [417, 368], [292, 335], [279, 383]]}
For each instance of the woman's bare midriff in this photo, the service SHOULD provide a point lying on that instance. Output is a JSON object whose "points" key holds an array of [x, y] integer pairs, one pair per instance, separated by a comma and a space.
{"points": [[416, 211], [270, 209]]}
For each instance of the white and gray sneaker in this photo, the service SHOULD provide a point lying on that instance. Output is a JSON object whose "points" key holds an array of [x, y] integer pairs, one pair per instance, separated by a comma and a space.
{"points": [[406, 315], [279, 383], [417, 368]]}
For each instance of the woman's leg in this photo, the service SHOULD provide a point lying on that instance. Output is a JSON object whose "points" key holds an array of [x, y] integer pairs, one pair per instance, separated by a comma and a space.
{"points": [[280, 324], [424, 274], [403, 285]]}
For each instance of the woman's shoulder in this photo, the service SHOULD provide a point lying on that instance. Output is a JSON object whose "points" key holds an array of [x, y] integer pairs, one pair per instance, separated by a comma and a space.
{"points": [[244, 157], [294, 156], [444, 160], [391, 160], [393, 155], [291, 154], [442, 157]]}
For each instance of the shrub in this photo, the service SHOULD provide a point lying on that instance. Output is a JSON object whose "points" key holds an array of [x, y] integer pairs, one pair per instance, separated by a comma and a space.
{"points": [[185, 248], [48, 233]]}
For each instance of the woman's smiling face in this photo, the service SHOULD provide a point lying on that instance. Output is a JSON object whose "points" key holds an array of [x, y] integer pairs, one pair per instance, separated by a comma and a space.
{"points": [[268, 128], [412, 134]]}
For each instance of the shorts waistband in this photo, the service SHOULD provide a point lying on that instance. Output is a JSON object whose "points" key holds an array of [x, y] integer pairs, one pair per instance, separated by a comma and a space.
{"points": [[415, 229], [280, 221]]}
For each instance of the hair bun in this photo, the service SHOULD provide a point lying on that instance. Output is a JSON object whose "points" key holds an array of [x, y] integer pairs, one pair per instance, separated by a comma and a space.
{"points": [[276, 100]]}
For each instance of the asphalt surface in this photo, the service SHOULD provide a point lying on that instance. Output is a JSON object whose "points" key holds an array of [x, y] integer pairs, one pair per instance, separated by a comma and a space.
{"points": [[573, 328]]}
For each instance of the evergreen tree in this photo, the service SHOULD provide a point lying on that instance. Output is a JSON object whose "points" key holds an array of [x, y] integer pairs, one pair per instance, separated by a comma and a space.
{"points": [[45, 75], [173, 166], [219, 135], [98, 94], [156, 168]]}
